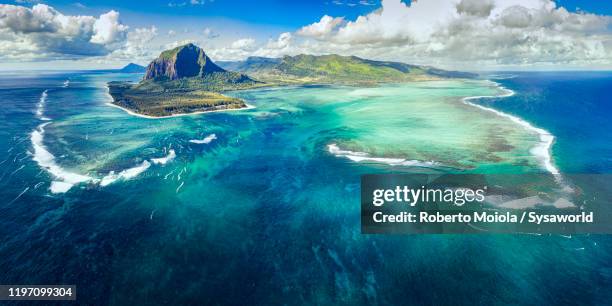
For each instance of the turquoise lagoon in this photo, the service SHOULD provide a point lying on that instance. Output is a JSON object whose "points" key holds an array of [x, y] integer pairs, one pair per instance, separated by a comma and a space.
{"points": [[263, 204]]}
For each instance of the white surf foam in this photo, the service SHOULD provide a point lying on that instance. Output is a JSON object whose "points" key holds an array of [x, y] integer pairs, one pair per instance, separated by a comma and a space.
{"points": [[206, 140], [66, 83], [60, 187], [365, 157], [46, 160], [125, 174], [542, 150], [164, 160], [40, 107]]}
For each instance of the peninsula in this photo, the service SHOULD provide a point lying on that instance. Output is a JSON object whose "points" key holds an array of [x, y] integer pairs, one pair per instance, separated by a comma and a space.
{"points": [[180, 81], [185, 80]]}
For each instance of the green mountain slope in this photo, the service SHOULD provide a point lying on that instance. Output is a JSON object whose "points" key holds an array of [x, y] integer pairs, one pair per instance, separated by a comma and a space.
{"points": [[337, 69]]}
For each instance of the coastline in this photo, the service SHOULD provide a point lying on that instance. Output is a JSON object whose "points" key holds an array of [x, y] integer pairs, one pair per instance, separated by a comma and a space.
{"points": [[178, 115], [130, 112]]}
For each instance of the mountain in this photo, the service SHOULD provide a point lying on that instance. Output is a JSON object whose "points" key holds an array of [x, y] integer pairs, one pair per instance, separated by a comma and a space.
{"points": [[181, 80], [251, 64], [336, 69], [132, 68], [185, 80], [181, 62], [188, 67]]}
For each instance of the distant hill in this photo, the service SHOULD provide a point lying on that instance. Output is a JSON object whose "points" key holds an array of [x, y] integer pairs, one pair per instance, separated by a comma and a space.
{"points": [[251, 65], [132, 68], [336, 69]]}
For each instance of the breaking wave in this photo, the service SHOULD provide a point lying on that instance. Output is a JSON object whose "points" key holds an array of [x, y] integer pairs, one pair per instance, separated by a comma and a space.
{"points": [[542, 150], [46, 160], [125, 174], [206, 140], [64, 180], [40, 107], [163, 160], [365, 157]]}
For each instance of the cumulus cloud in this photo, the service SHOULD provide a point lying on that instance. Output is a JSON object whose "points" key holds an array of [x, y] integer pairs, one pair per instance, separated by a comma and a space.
{"points": [[136, 48], [244, 44], [278, 47], [245, 47], [237, 50], [322, 28], [41, 32], [107, 29], [468, 33], [480, 8]]}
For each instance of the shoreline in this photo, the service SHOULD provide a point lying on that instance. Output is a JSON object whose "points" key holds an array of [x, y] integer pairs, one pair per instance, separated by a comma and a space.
{"points": [[130, 112]]}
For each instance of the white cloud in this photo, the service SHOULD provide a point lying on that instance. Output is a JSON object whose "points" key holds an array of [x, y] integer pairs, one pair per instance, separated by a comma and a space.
{"points": [[322, 28], [44, 33], [136, 48], [108, 30], [468, 34], [237, 50], [460, 34], [480, 8], [243, 44], [278, 47]]}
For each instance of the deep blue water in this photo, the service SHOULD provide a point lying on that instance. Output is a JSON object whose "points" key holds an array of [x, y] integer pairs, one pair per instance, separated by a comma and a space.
{"points": [[576, 107], [231, 239]]}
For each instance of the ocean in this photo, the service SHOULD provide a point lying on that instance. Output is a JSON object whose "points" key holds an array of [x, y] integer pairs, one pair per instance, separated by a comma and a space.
{"points": [[262, 205]]}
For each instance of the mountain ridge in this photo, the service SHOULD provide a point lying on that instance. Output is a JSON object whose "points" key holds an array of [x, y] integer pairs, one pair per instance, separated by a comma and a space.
{"points": [[333, 68]]}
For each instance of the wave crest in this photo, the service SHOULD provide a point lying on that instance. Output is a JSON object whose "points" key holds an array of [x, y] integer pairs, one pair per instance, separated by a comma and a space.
{"points": [[208, 139], [365, 157]]}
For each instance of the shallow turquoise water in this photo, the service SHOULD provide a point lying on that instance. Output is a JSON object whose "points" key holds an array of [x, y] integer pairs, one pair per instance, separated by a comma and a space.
{"points": [[265, 212]]}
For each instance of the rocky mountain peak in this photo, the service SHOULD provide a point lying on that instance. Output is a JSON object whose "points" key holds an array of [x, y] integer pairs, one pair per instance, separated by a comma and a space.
{"points": [[181, 62]]}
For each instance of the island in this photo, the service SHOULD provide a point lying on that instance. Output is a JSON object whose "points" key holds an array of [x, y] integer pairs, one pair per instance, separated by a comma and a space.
{"points": [[185, 80], [132, 68]]}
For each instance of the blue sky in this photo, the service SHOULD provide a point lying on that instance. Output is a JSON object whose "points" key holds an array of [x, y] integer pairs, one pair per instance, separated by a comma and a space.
{"points": [[281, 14], [462, 34]]}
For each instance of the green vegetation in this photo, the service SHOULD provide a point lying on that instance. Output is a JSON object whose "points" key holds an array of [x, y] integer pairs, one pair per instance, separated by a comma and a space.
{"points": [[159, 103], [181, 80], [336, 69], [185, 79], [215, 81]]}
